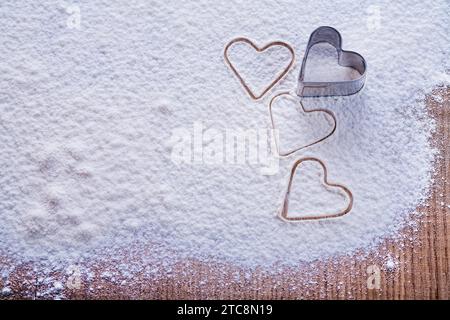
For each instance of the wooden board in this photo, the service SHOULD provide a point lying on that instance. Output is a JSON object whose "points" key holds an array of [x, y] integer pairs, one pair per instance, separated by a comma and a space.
{"points": [[420, 270]]}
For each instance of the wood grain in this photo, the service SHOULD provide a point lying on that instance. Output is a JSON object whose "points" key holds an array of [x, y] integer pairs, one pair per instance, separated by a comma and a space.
{"points": [[421, 270]]}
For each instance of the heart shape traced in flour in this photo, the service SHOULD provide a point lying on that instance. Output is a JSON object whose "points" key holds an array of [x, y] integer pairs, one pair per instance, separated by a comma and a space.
{"points": [[267, 47], [316, 199], [298, 126]]}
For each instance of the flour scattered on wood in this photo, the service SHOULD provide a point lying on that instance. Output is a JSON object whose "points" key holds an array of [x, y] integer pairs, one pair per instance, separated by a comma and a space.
{"points": [[6, 291], [391, 264], [88, 115]]}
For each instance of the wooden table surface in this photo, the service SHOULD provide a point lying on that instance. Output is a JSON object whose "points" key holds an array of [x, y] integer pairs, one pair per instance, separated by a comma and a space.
{"points": [[419, 270]]}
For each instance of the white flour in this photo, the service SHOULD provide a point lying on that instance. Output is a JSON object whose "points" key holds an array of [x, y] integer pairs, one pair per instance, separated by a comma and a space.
{"points": [[87, 116]]}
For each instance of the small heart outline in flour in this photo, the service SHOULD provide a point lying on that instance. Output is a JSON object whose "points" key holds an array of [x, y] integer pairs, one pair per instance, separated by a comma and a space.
{"points": [[319, 110], [284, 211], [280, 76]]}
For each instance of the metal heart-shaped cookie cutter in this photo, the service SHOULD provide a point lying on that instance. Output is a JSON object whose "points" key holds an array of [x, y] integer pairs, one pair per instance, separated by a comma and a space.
{"points": [[345, 58]]}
